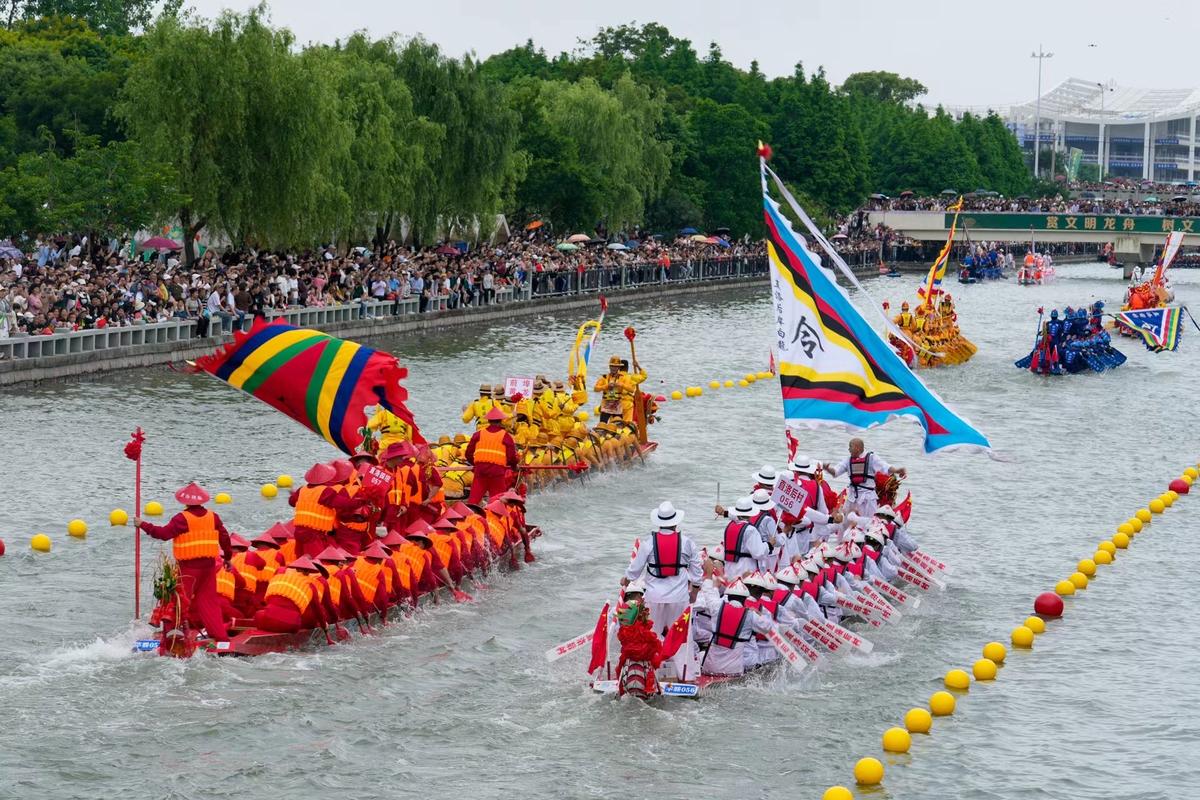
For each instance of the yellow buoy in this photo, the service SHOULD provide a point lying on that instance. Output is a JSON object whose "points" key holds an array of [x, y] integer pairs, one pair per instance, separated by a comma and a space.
{"points": [[958, 680], [764, 376], [1157, 506], [1174, 495], [1022, 636], [743, 384], [77, 527], [1186, 478], [582, 416], [868, 771], [41, 543], [941, 704], [1136, 524], [1191, 473], [285, 481], [676, 395], [1103, 556], [118, 517], [1079, 579], [1087, 567], [896, 740], [153, 509], [1143, 515], [994, 651], [1065, 588], [714, 385], [1035, 624], [596, 410], [269, 490], [918, 720], [750, 377], [837, 793], [223, 499], [1108, 547], [984, 670], [1120, 540], [730, 384], [1126, 529]]}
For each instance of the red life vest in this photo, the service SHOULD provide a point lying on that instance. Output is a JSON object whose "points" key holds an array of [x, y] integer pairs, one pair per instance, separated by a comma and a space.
{"points": [[859, 472], [665, 555], [727, 630], [755, 519], [856, 569], [735, 539], [812, 490], [809, 588], [769, 604], [781, 597]]}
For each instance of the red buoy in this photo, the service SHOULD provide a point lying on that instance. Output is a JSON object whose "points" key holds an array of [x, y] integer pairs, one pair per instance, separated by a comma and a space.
{"points": [[1048, 604], [1179, 486], [1, 547]]}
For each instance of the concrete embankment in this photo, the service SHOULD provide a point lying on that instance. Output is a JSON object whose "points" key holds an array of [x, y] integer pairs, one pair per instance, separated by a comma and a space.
{"points": [[81, 366]]}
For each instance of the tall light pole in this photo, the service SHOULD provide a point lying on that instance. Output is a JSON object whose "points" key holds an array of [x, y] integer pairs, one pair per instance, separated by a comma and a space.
{"points": [[1037, 119], [1100, 152]]}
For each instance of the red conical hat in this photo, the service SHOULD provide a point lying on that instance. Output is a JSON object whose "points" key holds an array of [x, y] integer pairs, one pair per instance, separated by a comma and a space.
{"points": [[398, 450], [303, 563], [452, 513], [265, 538], [192, 495], [279, 532], [463, 508], [364, 456], [498, 507], [512, 497], [495, 415], [319, 474], [393, 539], [375, 551], [331, 554], [419, 528], [342, 469], [445, 525], [238, 542]]}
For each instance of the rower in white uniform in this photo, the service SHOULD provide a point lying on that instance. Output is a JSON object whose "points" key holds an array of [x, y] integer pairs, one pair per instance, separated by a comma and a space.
{"points": [[733, 627], [862, 468], [743, 544]]}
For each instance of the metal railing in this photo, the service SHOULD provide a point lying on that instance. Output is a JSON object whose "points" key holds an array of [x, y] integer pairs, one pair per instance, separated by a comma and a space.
{"points": [[644, 273]]}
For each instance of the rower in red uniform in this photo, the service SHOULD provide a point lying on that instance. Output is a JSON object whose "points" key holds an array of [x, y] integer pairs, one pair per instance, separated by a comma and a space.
{"points": [[350, 531], [345, 593], [293, 598], [316, 516], [372, 580], [404, 496], [493, 453], [199, 542]]}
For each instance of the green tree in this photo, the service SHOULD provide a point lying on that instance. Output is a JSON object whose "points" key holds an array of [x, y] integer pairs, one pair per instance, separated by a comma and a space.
{"points": [[252, 128], [885, 87], [726, 167]]}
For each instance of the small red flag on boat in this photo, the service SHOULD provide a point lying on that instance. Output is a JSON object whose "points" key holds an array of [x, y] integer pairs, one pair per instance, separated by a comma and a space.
{"points": [[771, 363], [905, 508], [677, 635], [600, 642]]}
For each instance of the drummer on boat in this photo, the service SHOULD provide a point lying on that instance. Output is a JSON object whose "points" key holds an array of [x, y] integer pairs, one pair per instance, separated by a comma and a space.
{"points": [[671, 561]]}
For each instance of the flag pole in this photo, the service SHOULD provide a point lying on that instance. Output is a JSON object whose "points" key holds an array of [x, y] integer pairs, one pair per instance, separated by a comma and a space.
{"points": [[133, 451]]}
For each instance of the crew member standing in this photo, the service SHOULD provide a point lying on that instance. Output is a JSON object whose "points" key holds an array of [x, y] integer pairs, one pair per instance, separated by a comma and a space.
{"points": [[862, 468], [477, 411], [391, 428], [672, 565], [493, 454], [200, 543], [316, 505], [615, 385]]}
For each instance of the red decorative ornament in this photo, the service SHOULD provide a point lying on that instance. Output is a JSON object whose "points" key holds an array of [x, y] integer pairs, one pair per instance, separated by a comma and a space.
{"points": [[133, 450], [518, 397], [630, 333], [764, 151]]}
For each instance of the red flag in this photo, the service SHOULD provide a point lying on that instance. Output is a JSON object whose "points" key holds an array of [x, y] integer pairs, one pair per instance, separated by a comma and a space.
{"points": [[905, 508], [677, 635], [771, 363], [600, 642]]}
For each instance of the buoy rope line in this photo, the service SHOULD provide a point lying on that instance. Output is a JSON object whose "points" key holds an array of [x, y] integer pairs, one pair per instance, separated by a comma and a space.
{"points": [[868, 772], [697, 391]]}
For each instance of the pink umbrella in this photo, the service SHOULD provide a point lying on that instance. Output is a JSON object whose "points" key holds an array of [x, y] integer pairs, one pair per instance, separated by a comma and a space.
{"points": [[160, 243], [446, 250], [841, 236]]}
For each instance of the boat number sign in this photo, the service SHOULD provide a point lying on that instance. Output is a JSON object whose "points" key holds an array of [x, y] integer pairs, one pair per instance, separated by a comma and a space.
{"points": [[790, 496], [514, 385]]}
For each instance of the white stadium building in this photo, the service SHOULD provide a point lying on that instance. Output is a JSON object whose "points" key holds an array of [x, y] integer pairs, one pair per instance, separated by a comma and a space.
{"points": [[1133, 133]]}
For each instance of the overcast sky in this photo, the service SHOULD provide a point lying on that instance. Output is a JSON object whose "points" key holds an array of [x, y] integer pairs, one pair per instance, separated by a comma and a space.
{"points": [[966, 53]]}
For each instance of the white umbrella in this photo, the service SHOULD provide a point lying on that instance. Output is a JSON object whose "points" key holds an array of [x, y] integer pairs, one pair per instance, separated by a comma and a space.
{"points": [[617, 246]]}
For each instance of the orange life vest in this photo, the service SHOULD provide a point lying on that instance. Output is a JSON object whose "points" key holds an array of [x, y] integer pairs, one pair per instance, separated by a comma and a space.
{"points": [[311, 514], [288, 551], [369, 576], [335, 589], [201, 539], [417, 559], [294, 585], [496, 529], [226, 584], [405, 486], [445, 546], [489, 447], [350, 521], [254, 573]]}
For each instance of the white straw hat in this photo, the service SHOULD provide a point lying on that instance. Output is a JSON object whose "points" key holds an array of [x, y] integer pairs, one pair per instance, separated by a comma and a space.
{"points": [[766, 475], [666, 516]]}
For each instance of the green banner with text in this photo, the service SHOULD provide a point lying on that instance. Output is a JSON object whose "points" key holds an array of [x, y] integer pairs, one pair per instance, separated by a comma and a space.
{"points": [[1091, 223]]}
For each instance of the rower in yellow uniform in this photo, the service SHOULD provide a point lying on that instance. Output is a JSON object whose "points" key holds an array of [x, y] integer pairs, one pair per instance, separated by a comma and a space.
{"points": [[632, 390], [905, 318], [391, 428], [477, 411], [566, 408]]}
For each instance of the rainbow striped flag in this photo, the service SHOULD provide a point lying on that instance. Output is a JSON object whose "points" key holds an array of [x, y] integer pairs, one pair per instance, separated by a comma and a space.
{"points": [[323, 383], [1160, 328], [933, 281], [835, 369]]}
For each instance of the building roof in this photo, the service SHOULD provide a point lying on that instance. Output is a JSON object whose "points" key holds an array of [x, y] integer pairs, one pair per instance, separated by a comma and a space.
{"points": [[1079, 100]]}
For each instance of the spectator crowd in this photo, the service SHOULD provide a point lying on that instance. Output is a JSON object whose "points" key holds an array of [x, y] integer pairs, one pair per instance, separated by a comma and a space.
{"points": [[50, 285]]}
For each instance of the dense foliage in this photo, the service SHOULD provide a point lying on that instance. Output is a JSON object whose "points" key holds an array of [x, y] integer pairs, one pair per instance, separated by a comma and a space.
{"points": [[227, 125]]}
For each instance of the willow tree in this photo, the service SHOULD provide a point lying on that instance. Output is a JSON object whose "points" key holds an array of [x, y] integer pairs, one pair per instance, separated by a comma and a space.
{"points": [[251, 128]]}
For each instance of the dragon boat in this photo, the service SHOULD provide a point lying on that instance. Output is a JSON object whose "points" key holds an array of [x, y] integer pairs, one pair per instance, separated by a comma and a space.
{"points": [[1077, 342]]}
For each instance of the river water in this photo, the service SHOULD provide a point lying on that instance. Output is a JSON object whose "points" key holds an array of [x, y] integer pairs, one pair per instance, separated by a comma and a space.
{"points": [[459, 701]]}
